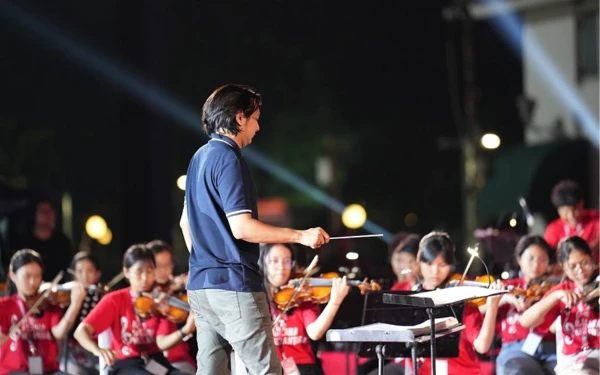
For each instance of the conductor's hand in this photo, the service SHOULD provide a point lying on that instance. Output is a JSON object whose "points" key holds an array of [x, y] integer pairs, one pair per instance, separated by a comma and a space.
{"points": [[314, 237], [339, 290]]}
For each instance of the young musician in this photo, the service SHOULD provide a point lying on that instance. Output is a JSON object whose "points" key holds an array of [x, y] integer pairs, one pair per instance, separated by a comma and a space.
{"points": [[28, 340], [436, 258], [526, 351], [573, 219], [75, 360], [294, 329], [404, 263], [179, 355], [579, 318], [137, 343]]}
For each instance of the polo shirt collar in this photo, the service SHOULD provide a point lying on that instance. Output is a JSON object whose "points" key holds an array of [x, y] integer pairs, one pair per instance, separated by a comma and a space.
{"points": [[222, 138]]}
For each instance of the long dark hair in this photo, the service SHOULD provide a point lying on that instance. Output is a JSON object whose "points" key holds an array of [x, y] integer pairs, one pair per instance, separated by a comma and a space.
{"points": [[20, 259], [138, 253], [265, 250], [567, 245]]}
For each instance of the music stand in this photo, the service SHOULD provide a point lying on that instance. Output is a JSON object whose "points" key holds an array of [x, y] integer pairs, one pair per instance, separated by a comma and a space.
{"points": [[398, 331], [434, 301]]}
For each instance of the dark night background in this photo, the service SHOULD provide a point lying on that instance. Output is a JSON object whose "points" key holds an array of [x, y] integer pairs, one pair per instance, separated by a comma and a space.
{"points": [[366, 82]]}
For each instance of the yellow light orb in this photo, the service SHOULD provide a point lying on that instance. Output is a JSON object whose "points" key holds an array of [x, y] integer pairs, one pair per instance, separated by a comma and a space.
{"points": [[512, 222], [181, 182], [354, 216], [107, 238], [351, 255], [490, 141], [95, 227]]}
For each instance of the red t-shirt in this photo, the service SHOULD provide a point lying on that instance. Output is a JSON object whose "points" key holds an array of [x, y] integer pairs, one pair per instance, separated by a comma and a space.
{"points": [[588, 229], [180, 353], [15, 351], [402, 286], [291, 339], [580, 324], [508, 316], [131, 334], [467, 362]]}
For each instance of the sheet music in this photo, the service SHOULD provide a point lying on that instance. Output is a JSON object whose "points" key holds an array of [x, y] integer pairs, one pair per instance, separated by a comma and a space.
{"points": [[441, 297], [457, 294], [390, 332]]}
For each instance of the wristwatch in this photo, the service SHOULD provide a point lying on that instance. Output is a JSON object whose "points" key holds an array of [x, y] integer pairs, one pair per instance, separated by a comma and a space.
{"points": [[184, 337]]}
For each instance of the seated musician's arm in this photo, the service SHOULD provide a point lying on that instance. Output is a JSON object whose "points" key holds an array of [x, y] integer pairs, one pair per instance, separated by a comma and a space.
{"points": [[83, 334], [483, 341], [339, 290], [78, 293], [536, 314], [167, 334], [98, 320]]}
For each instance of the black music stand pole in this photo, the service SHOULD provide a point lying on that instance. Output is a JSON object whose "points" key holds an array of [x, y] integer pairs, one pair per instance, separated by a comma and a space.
{"points": [[432, 345]]}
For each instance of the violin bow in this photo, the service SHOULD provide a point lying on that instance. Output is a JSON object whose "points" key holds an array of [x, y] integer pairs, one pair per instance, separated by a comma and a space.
{"points": [[307, 273], [114, 281], [37, 303]]}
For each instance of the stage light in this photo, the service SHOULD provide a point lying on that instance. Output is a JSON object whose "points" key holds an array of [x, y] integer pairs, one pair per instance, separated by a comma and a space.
{"points": [[354, 216], [351, 255], [96, 227], [490, 141], [181, 182], [107, 238]]}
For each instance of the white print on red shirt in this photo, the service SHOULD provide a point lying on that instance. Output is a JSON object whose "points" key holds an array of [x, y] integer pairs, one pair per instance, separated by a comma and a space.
{"points": [[581, 326], [139, 335], [285, 335], [512, 318], [30, 329]]}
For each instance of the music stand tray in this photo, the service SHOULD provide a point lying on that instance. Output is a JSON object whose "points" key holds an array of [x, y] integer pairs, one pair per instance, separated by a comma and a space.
{"points": [[382, 333], [433, 300], [390, 331]]}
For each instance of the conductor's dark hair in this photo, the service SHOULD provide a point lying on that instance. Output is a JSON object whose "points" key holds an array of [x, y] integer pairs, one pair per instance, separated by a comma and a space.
{"points": [[222, 106]]}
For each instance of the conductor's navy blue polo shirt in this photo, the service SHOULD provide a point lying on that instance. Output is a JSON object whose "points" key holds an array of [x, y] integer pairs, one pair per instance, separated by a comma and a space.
{"points": [[219, 185]]}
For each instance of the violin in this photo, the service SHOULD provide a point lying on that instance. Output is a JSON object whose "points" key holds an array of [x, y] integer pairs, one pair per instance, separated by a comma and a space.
{"points": [[60, 295], [536, 289], [591, 294], [174, 307], [314, 289]]}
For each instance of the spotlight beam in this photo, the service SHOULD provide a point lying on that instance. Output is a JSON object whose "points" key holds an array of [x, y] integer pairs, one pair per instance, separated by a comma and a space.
{"points": [[508, 26], [155, 98]]}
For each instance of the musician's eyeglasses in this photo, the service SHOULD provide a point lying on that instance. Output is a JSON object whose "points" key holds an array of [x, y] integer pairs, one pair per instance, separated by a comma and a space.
{"points": [[585, 266], [284, 263]]}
